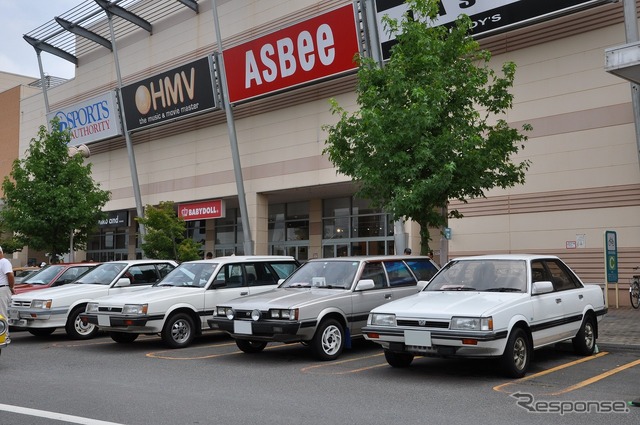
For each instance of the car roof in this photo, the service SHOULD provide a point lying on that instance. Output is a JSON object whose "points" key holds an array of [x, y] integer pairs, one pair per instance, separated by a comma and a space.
{"points": [[371, 258], [243, 258], [528, 257], [131, 262]]}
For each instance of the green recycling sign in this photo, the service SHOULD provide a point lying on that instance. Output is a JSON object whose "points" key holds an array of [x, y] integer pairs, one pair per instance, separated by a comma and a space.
{"points": [[611, 255]]}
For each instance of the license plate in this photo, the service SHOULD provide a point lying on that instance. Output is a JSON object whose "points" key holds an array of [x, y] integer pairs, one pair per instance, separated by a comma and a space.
{"points": [[103, 320], [17, 322], [242, 327], [419, 338], [13, 314]]}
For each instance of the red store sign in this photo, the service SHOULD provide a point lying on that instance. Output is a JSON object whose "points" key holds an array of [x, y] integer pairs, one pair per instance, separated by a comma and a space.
{"points": [[311, 50], [201, 210]]}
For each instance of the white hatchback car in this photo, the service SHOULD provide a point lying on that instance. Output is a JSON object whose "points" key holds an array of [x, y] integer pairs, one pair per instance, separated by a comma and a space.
{"points": [[491, 306], [177, 306], [42, 311]]}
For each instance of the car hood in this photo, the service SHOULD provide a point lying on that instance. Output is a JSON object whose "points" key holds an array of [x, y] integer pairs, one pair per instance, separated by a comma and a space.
{"points": [[63, 291], [286, 298], [27, 287], [445, 304], [151, 295]]}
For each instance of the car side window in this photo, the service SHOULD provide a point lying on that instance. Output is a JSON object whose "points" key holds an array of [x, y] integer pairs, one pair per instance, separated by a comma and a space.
{"points": [[164, 269], [259, 274], [283, 270], [231, 275], [143, 274], [422, 268], [538, 272], [399, 274], [560, 277], [375, 272]]}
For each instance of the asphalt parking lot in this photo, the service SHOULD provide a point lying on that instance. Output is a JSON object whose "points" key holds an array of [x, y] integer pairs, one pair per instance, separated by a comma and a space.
{"points": [[100, 382]]}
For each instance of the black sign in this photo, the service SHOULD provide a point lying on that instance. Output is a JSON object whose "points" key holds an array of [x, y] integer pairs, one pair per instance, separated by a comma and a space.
{"points": [[169, 96], [488, 16], [115, 219]]}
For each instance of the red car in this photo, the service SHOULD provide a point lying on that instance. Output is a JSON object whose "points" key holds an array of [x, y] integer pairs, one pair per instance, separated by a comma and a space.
{"points": [[53, 275]]}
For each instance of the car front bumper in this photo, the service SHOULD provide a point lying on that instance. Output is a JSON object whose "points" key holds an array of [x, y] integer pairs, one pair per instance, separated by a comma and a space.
{"points": [[122, 323], [438, 342], [271, 330], [37, 318]]}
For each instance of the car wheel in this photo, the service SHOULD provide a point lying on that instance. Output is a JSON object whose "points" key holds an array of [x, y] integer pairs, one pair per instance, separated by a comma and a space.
{"points": [[249, 346], [178, 331], [328, 342], [398, 359], [41, 331], [584, 342], [78, 330], [123, 337], [517, 354]]}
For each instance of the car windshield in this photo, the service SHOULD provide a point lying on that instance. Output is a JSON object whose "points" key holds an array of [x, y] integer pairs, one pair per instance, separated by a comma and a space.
{"points": [[103, 274], [323, 274], [44, 276], [193, 275], [481, 275]]}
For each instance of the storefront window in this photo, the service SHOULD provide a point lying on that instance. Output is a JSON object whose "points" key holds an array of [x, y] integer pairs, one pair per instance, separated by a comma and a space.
{"points": [[289, 229], [228, 234]]}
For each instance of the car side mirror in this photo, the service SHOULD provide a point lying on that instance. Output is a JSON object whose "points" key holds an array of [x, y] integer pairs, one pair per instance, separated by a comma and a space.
{"points": [[542, 287], [123, 281], [365, 285]]}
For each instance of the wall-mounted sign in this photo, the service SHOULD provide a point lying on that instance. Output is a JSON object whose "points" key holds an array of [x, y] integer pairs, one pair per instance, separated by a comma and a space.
{"points": [[488, 16], [169, 96], [115, 219], [90, 121], [202, 210], [312, 50]]}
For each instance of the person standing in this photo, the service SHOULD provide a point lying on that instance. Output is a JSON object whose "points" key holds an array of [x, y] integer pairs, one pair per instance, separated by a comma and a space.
{"points": [[6, 285]]}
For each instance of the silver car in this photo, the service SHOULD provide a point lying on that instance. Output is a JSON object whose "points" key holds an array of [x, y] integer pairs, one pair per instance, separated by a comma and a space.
{"points": [[325, 303]]}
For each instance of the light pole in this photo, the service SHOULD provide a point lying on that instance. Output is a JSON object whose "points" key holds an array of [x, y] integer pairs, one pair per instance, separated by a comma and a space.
{"points": [[84, 151]]}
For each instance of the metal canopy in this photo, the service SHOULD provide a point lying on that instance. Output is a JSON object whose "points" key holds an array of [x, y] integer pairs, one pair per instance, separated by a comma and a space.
{"points": [[85, 28]]}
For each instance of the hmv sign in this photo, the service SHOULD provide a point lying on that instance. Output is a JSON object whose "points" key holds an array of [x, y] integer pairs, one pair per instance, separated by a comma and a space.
{"points": [[487, 16], [310, 51], [172, 95]]}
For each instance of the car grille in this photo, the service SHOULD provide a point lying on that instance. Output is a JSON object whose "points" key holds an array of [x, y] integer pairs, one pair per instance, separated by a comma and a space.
{"points": [[18, 303], [110, 309], [423, 323]]}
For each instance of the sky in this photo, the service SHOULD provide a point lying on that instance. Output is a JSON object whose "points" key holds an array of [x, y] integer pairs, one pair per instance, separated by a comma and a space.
{"points": [[18, 17]]}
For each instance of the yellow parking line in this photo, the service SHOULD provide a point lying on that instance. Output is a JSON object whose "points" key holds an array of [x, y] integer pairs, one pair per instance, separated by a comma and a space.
{"points": [[154, 355], [548, 371], [317, 366], [597, 378]]}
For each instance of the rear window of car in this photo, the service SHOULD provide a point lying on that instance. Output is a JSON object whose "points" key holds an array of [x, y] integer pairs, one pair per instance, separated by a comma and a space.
{"points": [[399, 274], [422, 268]]}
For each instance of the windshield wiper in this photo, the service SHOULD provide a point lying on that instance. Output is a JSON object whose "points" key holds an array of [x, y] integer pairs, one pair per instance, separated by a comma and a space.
{"points": [[460, 288], [299, 285], [503, 289]]}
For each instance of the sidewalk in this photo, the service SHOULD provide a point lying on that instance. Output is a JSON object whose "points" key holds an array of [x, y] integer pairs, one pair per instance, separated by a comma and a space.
{"points": [[620, 326]]}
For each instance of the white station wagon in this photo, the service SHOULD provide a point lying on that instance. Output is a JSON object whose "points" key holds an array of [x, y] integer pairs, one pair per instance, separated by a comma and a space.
{"points": [[42, 311], [177, 306], [491, 306]]}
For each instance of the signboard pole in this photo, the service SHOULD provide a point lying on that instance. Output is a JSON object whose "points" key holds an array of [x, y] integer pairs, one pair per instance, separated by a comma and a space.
{"points": [[237, 168]]}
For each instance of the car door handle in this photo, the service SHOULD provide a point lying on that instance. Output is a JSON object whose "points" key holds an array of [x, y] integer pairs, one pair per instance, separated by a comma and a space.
{"points": [[244, 293], [558, 300], [388, 296]]}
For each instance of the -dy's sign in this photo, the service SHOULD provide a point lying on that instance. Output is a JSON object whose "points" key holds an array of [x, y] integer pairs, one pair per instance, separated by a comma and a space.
{"points": [[172, 95], [312, 50]]}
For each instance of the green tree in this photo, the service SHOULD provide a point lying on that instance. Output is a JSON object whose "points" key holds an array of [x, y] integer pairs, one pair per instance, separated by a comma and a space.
{"points": [[430, 125], [166, 234], [49, 196]]}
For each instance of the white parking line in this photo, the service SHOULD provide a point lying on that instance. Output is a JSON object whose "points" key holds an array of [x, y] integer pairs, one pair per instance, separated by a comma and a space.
{"points": [[53, 415]]}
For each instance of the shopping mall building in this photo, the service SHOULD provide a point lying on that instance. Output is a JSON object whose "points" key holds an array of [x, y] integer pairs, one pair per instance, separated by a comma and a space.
{"points": [[283, 61]]}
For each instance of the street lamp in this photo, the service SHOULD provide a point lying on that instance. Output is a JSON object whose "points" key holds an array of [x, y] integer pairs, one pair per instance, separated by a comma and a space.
{"points": [[84, 151]]}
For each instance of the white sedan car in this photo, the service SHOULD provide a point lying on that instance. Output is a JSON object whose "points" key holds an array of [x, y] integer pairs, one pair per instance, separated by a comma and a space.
{"points": [[42, 311], [501, 306], [177, 306]]}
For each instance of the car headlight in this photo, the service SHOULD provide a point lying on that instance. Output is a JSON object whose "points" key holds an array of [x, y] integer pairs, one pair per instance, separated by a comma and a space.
{"points": [[472, 323], [380, 319], [225, 312], [43, 304], [135, 309], [3, 327], [284, 314], [91, 308]]}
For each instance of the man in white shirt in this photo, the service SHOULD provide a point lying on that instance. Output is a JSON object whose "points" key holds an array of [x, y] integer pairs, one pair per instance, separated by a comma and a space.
{"points": [[6, 284]]}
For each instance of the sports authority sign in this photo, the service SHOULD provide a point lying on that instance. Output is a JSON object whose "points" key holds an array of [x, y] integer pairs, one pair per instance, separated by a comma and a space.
{"points": [[488, 16], [312, 50], [201, 210]]}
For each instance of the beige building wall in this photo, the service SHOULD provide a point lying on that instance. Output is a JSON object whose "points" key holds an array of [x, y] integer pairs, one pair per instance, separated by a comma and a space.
{"points": [[584, 176]]}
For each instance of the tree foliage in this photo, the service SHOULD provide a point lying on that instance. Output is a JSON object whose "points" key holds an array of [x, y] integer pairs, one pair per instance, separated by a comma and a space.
{"points": [[430, 125], [50, 195], [166, 234]]}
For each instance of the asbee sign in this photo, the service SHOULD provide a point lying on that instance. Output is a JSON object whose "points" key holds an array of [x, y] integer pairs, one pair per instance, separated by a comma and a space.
{"points": [[90, 121], [172, 95], [487, 16], [312, 50]]}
